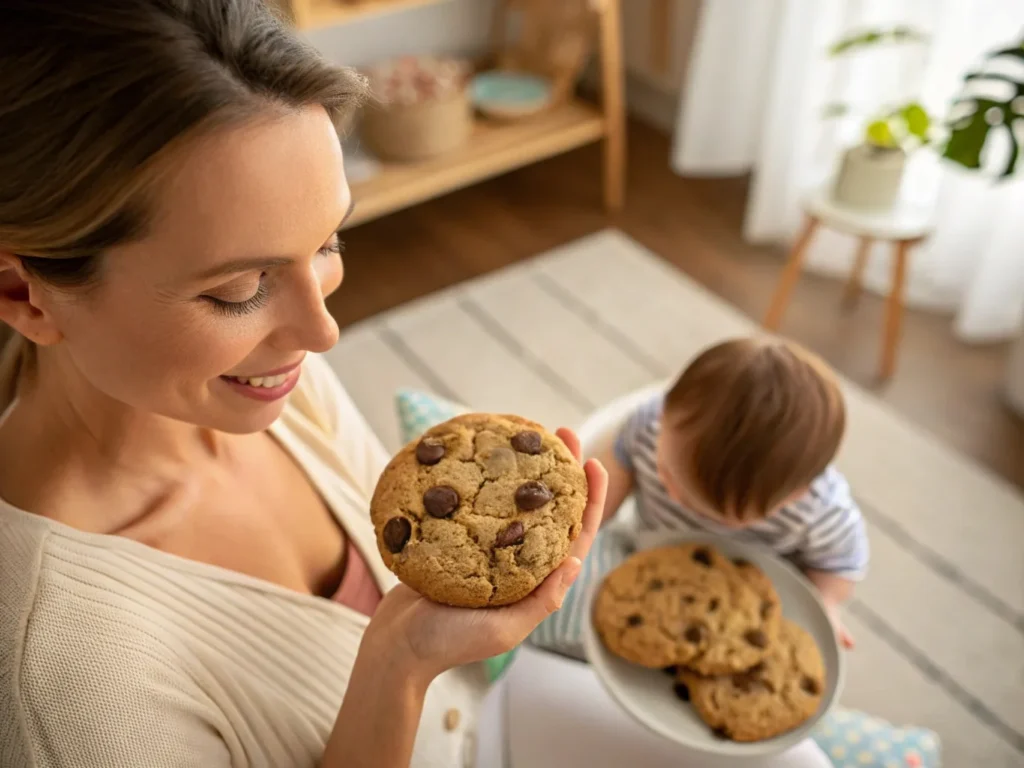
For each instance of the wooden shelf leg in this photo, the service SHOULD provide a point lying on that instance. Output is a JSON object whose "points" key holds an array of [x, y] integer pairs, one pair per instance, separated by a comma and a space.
{"points": [[894, 309], [613, 104], [790, 275], [853, 284]]}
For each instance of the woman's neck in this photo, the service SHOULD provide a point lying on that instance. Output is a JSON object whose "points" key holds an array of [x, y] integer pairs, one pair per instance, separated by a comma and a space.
{"points": [[62, 435]]}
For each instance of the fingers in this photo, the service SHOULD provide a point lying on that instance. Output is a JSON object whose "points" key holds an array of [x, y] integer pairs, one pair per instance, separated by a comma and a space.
{"points": [[597, 488], [846, 639], [572, 442]]}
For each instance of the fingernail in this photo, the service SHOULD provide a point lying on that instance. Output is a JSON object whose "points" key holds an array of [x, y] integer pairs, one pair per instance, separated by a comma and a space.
{"points": [[571, 571]]}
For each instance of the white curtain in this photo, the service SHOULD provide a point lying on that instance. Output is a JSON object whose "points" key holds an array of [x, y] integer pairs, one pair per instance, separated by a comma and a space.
{"points": [[757, 84]]}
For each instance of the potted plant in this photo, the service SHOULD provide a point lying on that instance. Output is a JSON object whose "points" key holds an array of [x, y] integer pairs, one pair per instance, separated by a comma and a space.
{"points": [[870, 173], [990, 103]]}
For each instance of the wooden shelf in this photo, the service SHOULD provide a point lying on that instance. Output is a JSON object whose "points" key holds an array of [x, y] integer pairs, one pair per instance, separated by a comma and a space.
{"points": [[493, 149], [313, 14]]}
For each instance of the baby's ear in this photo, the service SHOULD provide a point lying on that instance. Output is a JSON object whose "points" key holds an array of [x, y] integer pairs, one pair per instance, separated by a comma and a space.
{"points": [[19, 303]]}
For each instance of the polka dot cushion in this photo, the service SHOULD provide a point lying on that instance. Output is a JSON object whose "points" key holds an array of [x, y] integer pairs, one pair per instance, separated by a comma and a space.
{"points": [[853, 739], [417, 412]]}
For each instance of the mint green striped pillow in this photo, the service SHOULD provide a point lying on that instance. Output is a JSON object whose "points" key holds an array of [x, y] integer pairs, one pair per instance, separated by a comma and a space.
{"points": [[418, 412], [562, 632]]}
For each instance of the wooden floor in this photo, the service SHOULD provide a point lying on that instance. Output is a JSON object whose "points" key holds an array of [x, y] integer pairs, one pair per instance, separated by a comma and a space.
{"points": [[949, 388]]}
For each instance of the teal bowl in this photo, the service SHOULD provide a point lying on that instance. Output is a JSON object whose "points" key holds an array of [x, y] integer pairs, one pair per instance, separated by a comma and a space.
{"points": [[509, 94]]}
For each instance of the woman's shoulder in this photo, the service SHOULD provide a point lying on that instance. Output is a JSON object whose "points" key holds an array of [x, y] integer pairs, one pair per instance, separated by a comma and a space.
{"points": [[22, 538]]}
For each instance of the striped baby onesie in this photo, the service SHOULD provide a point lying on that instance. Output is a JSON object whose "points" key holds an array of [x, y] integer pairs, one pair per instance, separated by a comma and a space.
{"points": [[823, 530]]}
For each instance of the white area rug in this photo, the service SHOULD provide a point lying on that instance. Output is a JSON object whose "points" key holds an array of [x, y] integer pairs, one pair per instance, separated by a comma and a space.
{"points": [[940, 620]]}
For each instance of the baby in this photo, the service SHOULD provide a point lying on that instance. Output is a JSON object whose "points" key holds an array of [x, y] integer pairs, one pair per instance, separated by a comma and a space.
{"points": [[741, 446]]}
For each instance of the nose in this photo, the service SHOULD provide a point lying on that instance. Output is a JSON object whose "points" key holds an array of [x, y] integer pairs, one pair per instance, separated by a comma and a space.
{"points": [[308, 325]]}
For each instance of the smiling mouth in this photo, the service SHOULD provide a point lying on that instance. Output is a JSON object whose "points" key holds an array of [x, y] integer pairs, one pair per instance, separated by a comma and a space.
{"points": [[266, 382]]}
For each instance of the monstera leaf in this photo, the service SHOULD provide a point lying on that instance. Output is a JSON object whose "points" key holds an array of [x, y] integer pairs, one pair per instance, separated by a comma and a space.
{"points": [[975, 118]]}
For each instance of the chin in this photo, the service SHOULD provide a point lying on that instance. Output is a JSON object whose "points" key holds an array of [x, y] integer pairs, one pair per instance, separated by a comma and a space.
{"points": [[258, 420]]}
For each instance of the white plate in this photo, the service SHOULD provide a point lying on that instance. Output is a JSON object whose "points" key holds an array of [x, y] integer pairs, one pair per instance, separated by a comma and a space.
{"points": [[647, 694]]}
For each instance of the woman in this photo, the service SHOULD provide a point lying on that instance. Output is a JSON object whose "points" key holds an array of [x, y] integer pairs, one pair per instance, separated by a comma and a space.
{"points": [[187, 569]]}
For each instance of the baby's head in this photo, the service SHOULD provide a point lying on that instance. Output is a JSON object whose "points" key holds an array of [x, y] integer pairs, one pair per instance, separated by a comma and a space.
{"points": [[746, 428]]}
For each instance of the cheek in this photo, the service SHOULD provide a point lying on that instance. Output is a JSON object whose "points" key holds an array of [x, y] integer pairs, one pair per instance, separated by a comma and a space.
{"points": [[330, 272], [153, 355]]}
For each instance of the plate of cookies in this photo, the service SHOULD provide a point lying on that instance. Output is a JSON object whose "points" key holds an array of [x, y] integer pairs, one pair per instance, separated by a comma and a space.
{"points": [[718, 645]]}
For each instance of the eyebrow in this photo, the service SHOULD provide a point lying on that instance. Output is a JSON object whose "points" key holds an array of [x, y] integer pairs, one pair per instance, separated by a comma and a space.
{"points": [[251, 265]]}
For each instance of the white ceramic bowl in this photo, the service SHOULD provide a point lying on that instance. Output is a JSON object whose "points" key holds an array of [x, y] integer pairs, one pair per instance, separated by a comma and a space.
{"points": [[647, 695]]}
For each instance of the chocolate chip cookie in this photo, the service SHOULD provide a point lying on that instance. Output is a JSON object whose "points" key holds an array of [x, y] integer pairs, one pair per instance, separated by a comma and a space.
{"points": [[684, 605], [778, 694], [479, 510]]}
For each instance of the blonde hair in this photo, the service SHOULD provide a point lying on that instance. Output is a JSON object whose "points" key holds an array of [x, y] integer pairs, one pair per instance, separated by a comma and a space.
{"points": [[97, 101], [760, 418]]}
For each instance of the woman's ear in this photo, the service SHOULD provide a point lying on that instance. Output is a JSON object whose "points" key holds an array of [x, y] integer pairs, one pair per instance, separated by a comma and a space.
{"points": [[17, 306]]}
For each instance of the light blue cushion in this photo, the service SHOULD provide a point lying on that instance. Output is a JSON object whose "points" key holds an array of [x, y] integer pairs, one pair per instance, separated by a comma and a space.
{"points": [[418, 412], [852, 738]]}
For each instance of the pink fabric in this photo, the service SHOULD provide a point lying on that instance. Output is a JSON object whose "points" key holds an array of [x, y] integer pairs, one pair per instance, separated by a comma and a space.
{"points": [[357, 590]]}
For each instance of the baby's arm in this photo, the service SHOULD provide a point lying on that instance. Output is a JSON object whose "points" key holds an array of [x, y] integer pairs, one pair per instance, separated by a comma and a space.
{"points": [[620, 483], [835, 554]]}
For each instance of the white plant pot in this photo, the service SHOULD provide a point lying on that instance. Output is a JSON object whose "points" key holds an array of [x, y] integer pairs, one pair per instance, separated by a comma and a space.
{"points": [[1014, 386], [869, 178]]}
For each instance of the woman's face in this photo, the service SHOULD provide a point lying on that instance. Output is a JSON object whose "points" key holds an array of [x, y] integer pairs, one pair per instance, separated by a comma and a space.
{"points": [[207, 318]]}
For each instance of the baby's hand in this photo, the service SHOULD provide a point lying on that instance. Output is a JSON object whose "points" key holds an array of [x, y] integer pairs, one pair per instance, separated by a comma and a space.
{"points": [[845, 638]]}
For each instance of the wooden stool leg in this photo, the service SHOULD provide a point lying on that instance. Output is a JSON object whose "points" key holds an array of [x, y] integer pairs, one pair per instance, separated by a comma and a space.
{"points": [[853, 284], [894, 309], [790, 275], [613, 105]]}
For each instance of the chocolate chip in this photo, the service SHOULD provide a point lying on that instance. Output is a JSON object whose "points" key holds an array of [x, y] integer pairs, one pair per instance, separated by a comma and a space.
{"points": [[694, 633], [720, 733], [513, 534], [671, 670], [397, 531], [527, 442], [810, 685], [656, 585], [766, 609], [689, 599], [429, 451], [739, 562], [713, 605], [440, 501], [682, 691], [634, 620], [533, 495], [756, 638], [744, 683], [702, 556]]}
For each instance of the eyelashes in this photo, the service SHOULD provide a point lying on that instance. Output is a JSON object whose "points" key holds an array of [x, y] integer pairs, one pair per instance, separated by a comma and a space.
{"points": [[244, 307], [259, 299]]}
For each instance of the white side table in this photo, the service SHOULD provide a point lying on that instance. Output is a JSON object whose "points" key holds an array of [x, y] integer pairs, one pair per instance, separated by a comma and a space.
{"points": [[904, 226]]}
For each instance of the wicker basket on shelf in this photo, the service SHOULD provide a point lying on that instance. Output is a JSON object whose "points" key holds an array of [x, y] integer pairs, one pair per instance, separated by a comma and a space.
{"points": [[422, 108]]}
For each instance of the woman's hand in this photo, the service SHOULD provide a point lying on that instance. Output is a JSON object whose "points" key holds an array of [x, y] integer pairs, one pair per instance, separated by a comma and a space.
{"points": [[434, 638]]}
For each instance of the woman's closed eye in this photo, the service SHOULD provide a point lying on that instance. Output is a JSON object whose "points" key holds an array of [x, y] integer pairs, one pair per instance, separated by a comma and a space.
{"points": [[258, 297], [242, 306]]}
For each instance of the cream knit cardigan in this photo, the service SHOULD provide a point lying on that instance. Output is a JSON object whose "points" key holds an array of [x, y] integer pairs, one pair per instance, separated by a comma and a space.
{"points": [[115, 654]]}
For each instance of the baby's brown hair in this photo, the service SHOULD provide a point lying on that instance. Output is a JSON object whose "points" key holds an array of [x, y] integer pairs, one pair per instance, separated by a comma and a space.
{"points": [[760, 418]]}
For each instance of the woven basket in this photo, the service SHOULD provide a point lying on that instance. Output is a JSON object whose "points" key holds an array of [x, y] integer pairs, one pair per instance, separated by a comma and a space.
{"points": [[409, 132]]}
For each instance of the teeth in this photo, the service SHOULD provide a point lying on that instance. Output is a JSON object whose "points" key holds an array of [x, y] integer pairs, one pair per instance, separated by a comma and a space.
{"points": [[267, 382]]}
